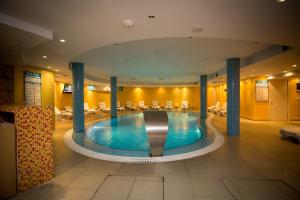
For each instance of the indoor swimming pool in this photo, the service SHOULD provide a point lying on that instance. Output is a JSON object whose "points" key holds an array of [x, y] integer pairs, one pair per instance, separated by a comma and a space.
{"points": [[125, 138]]}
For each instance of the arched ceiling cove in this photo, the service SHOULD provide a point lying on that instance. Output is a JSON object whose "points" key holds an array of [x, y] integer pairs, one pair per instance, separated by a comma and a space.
{"points": [[93, 27]]}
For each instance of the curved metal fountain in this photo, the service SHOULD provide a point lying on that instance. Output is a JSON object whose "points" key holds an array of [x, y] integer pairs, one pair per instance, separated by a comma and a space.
{"points": [[156, 123]]}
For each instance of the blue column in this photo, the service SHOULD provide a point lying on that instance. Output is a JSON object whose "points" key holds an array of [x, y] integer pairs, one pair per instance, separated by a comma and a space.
{"points": [[78, 107], [113, 97], [233, 96], [203, 96]]}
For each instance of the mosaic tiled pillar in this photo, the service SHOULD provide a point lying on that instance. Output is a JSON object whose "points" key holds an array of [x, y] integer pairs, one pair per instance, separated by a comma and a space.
{"points": [[233, 96], [203, 96], [78, 97], [113, 97]]}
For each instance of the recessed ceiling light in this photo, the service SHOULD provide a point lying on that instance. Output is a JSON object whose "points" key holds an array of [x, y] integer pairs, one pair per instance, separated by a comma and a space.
{"points": [[271, 77], [284, 71], [56, 70], [280, 1], [294, 65], [267, 75], [49, 67], [62, 40], [45, 57]]}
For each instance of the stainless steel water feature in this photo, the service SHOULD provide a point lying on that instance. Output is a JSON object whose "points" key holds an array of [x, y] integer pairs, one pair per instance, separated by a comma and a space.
{"points": [[156, 123]]}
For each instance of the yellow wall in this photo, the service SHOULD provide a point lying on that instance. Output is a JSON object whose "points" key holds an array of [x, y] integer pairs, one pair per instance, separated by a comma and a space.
{"points": [[161, 94], [48, 80], [91, 97], [134, 94], [249, 108]]}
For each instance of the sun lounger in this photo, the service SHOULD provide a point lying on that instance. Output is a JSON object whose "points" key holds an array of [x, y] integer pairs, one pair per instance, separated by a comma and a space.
{"points": [[211, 108], [119, 107], [59, 115], [102, 107], [169, 105], [184, 105], [129, 106], [155, 105], [88, 110], [142, 106]]}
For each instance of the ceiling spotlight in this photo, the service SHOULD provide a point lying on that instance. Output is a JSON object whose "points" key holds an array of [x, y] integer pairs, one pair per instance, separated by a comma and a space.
{"points": [[49, 67], [271, 77], [45, 57], [62, 40], [267, 75], [289, 74], [294, 65], [280, 1], [284, 71], [56, 70]]}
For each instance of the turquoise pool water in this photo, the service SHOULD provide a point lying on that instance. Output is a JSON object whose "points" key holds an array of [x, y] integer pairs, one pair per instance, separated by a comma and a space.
{"points": [[129, 133]]}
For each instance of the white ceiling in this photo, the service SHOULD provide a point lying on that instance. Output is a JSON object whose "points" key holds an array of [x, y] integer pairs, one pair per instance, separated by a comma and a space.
{"points": [[89, 25], [165, 60]]}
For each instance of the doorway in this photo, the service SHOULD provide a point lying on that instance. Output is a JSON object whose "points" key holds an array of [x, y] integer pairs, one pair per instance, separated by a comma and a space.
{"points": [[278, 90]]}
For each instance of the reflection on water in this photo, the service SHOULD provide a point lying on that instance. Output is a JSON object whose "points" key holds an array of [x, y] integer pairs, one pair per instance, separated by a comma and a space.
{"points": [[128, 132]]}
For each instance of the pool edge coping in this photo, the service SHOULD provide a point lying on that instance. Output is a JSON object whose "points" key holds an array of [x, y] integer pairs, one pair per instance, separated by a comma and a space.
{"points": [[217, 143]]}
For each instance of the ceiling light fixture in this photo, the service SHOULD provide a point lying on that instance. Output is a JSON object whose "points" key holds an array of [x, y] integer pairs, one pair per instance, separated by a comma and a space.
{"points": [[271, 77], [49, 67], [253, 70], [62, 40], [56, 70], [128, 23], [280, 1], [45, 57], [289, 74], [284, 71], [294, 65], [267, 75]]}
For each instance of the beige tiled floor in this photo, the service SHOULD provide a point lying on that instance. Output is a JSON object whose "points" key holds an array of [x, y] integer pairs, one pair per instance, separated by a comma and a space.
{"points": [[251, 165]]}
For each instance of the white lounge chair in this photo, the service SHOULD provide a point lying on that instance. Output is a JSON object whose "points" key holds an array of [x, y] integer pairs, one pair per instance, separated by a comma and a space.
{"points": [[142, 105], [219, 109], [119, 107], [88, 110], [169, 105], [69, 109], [59, 115], [102, 107], [129, 106], [211, 108], [155, 105], [184, 105]]}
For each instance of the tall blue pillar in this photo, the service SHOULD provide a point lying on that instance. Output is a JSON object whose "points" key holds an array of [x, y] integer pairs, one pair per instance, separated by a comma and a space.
{"points": [[233, 96], [78, 107], [203, 96], [113, 97]]}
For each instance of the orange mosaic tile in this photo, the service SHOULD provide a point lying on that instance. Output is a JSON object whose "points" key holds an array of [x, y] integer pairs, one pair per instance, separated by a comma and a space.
{"points": [[34, 144]]}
